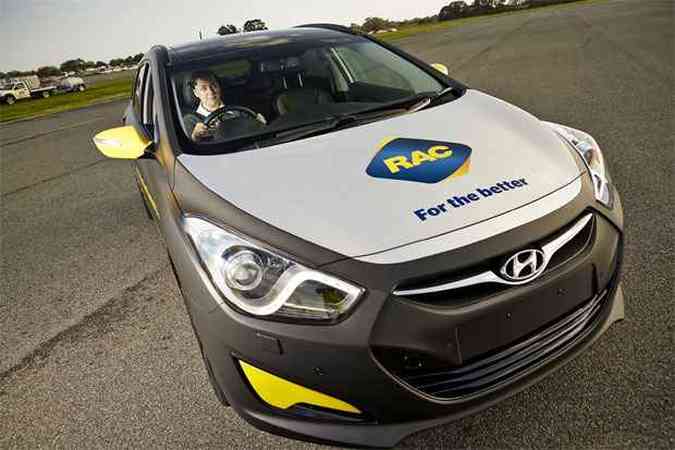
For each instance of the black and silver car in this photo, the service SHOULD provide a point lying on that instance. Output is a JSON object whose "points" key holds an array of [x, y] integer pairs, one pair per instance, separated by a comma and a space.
{"points": [[367, 247]]}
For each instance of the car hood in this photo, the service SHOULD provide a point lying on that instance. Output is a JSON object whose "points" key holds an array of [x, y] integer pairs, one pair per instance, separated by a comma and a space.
{"points": [[335, 191]]}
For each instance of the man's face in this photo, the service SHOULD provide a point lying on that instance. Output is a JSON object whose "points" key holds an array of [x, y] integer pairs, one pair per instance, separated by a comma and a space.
{"points": [[208, 93]]}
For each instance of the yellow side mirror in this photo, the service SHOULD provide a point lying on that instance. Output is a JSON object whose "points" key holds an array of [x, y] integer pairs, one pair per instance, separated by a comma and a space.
{"points": [[441, 68], [121, 143]]}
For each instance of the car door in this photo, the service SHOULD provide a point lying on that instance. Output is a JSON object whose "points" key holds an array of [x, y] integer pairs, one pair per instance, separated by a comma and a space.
{"points": [[150, 174]]}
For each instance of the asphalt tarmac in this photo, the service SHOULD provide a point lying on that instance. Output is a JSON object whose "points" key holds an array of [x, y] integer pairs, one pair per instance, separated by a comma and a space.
{"points": [[95, 346]]}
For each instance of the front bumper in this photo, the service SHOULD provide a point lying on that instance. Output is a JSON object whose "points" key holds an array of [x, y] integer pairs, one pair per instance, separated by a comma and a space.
{"points": [[346, 362]]}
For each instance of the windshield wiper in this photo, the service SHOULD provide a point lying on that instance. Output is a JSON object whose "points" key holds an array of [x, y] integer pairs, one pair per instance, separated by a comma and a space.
{"points": [[418, 101], [431, 99], [332, 123], [435, 99], [261, 139], [402, 103]]}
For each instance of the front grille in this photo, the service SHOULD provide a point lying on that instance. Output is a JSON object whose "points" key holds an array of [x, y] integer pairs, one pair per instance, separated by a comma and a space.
{"points": [[481, 291], [500, 367]]}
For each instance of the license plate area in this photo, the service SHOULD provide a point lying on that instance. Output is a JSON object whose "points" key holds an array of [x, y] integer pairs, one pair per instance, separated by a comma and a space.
{"points": [[527, 312]]}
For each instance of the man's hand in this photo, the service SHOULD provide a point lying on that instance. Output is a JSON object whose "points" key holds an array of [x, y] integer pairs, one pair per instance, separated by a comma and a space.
{"points": [[200, 132]]}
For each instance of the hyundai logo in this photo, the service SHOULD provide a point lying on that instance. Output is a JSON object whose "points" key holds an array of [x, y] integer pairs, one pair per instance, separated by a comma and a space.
{"points": [[524, 265]]}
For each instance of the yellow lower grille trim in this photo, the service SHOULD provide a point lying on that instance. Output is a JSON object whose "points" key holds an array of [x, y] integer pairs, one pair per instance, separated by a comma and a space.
{"points": [[283, 394]]}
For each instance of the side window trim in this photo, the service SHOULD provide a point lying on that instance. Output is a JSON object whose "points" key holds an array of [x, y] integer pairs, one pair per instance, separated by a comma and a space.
{"points": [[148, 95], [342, 66], [137, 93]]}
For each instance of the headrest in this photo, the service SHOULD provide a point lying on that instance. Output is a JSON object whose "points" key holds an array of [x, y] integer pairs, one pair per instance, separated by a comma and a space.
{"points": [[188, 98], [296, 99]]}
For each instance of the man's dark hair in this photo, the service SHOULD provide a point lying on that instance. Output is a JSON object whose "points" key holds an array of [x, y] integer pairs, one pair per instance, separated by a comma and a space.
{"points": [[203, 75]]}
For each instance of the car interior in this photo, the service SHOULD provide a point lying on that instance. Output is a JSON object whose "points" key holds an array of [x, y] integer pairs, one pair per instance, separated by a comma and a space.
{"points": [[289, 89]]}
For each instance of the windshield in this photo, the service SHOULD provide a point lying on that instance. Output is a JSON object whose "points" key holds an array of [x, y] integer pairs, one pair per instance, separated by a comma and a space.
{"points": [[251, 97]]}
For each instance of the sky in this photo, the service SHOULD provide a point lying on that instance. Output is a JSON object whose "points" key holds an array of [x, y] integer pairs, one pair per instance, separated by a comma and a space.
{"points": [[37, 33]]}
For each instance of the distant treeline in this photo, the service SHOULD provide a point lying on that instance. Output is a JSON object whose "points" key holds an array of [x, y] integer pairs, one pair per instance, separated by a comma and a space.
{"points": [[453, 10], [76, 65], [457, 9]]}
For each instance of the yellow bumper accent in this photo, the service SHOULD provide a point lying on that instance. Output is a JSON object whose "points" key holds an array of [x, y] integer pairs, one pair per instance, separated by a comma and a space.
{"points": [[284, 394]]}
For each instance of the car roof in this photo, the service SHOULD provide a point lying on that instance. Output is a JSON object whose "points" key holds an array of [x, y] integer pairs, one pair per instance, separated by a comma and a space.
{"points": [[207, 48]]}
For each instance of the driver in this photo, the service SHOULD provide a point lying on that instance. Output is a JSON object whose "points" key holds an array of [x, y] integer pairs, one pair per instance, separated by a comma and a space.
{"points": [[206, 88]]}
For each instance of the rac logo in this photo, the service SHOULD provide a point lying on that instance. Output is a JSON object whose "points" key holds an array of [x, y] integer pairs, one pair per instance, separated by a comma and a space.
{"points": [[420, 160]]}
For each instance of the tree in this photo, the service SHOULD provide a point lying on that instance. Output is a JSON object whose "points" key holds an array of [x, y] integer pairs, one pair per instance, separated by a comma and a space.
{"points": [[137, 58], [72, 65], [100, 64], [482, 4], [48, 71], [19, 73], [227, 29], [453, 10], [375, 23], [116, 62], [254, 25]]}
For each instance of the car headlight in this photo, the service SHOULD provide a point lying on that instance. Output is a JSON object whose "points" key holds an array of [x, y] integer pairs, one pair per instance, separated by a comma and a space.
{"points": [[262, 283], [590, 151]]}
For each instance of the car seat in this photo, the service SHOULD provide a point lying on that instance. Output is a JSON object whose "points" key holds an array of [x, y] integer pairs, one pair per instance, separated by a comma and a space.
{"points": [[296, 99]]}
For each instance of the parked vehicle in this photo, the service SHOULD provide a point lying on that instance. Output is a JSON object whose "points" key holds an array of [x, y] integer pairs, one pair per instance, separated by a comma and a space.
{"points": [[365, 246], [72, 84], [24, 87]]}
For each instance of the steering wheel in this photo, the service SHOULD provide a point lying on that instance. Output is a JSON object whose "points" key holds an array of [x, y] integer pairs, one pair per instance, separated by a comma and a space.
{"points": [[220, 113]]}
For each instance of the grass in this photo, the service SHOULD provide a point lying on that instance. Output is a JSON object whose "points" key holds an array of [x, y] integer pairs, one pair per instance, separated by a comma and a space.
{"points": [[412, 30], [101, 92]]}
